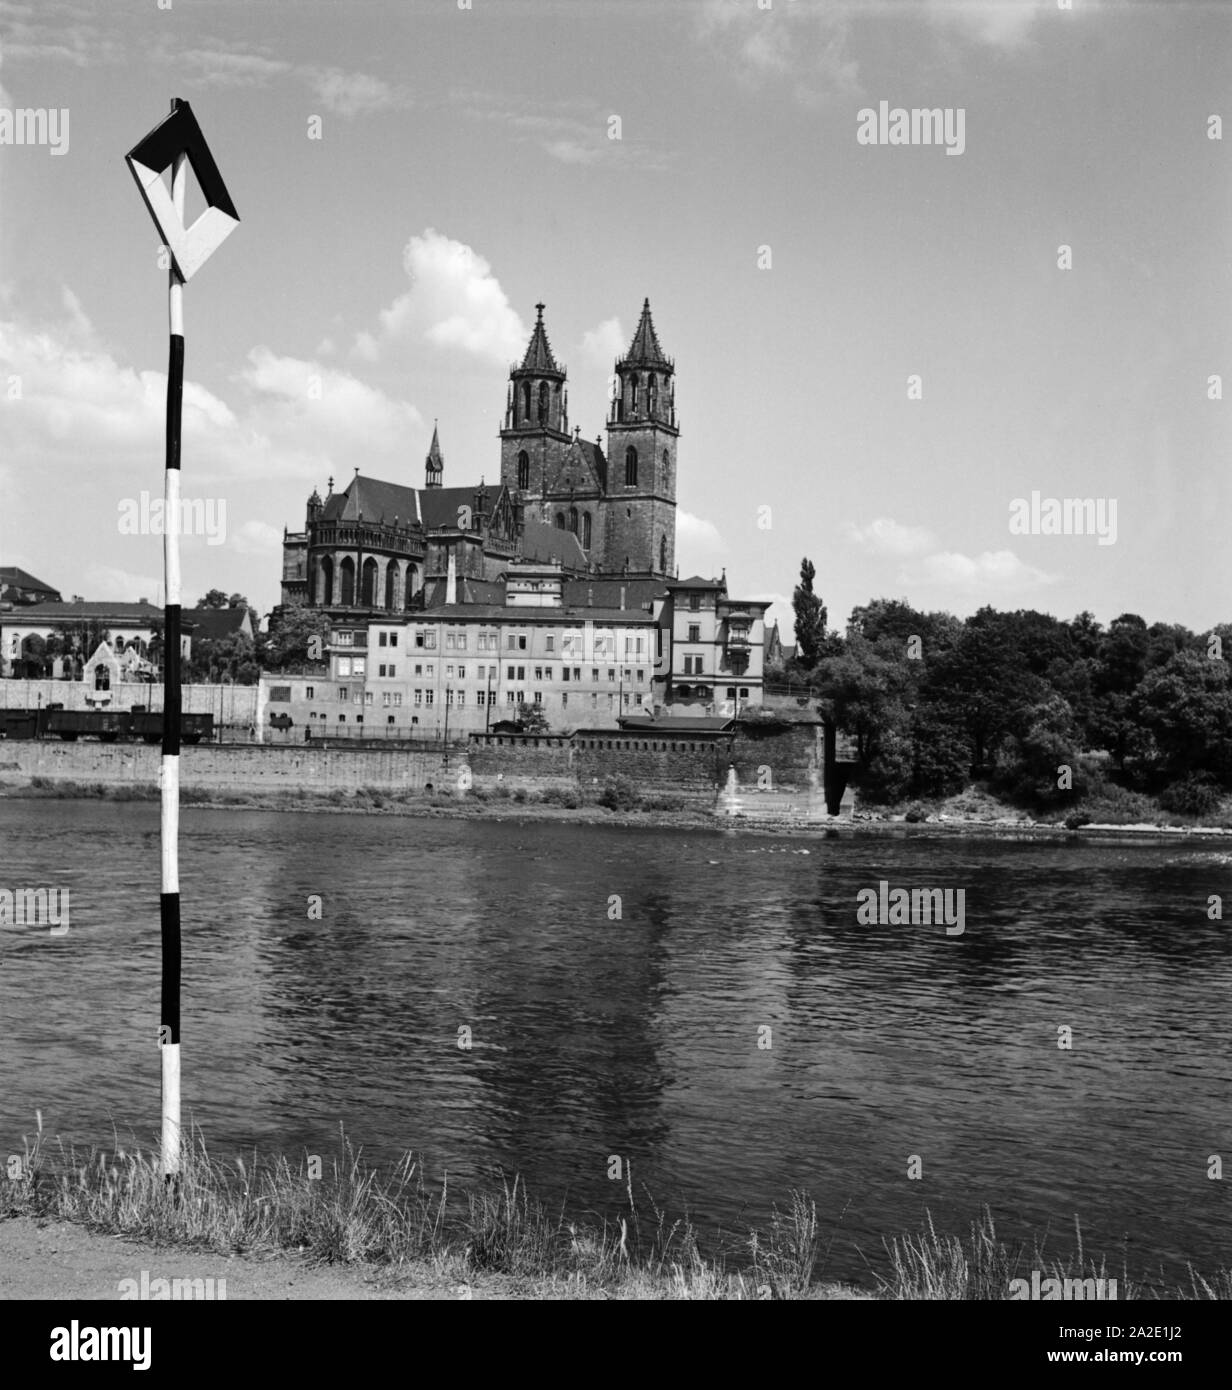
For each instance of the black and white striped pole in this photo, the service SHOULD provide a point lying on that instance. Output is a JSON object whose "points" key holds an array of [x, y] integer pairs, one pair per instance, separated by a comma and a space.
{"points": [[175, 144]]}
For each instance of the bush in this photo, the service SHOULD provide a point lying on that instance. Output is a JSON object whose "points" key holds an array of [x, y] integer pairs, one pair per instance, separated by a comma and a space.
{"points": [[1076, 820], [561, 796], [1195, 795], [620, 794], [664, 803], [915, 814], [1111, 804]]}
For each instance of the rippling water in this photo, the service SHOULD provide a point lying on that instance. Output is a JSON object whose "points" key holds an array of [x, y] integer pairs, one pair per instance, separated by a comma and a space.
{"points": [[639, 1036]]}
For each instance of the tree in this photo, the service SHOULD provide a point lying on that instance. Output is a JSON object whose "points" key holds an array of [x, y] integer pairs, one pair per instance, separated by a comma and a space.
{"points": [[296, 639], [531, 719], [810, 617], [215, 598]]}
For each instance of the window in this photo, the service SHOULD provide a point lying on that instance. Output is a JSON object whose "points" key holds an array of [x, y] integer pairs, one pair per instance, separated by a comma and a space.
{"points": [[488, 642], [611, 674], [538, 673], [381, 669], [344, 666], [461, 672], [522, 644], [449, 670], [695, 632], [631, 456], [280, 692], [641, 675], [345, 639], [539, 697], [383, 640], [342, 694], [564, 699], [392, 671], [564, 673], [521, 673], [426, 640], [390, 719], [509, 697], [731, 692], [428, 697], [461, 641], [744, 692], [573, 520], [594, 700], [419, 697], [663, 540], [550, 642], [695, 603], [560, 521], [577, 673], [430, 670], [310, 692], [385, 699], [342, 719], [637, 699], [357, 665], [511, 643], [448, 696], [523, 469], [594, 675], [393, 639], [509, 673], [547, 670], [397, 698], [418, 670], [585, 530]]}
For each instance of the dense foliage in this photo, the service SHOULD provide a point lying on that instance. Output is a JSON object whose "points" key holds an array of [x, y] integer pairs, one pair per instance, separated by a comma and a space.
{"points": [[1049, 711]]}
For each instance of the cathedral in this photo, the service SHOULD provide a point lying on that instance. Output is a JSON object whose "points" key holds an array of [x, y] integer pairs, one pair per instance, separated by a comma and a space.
{"points": [[561, 500]]}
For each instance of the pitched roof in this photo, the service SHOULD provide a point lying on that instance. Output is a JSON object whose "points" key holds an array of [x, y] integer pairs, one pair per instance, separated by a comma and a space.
{"points": [[696, 582], [543, 542], [378, 501], [23, 579], [644, 350], [606, 592], [538, 357], [680, 722], [216, 623], [59, 613]]}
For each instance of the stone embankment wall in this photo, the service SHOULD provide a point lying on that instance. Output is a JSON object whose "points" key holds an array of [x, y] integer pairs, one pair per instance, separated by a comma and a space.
{"points": [[789, 764]]}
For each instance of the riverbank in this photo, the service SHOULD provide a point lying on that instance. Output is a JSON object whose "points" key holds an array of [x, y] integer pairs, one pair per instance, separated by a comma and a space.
{"points": [[81, 1225], [988, 817]]}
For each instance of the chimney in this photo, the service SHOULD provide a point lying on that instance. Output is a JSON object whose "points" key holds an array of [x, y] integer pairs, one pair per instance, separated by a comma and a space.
{"points": [[451, 581]]}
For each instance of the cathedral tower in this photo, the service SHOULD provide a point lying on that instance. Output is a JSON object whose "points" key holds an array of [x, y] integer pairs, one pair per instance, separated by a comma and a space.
{"points": [[642, 431], [536, 430]]}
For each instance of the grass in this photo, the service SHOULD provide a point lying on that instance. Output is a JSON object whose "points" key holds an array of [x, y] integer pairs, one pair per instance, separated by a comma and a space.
{"points": [[352, 1214]]}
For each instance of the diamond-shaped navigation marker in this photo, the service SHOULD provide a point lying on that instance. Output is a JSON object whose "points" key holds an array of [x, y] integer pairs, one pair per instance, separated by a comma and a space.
{"points": [[179, 133]]}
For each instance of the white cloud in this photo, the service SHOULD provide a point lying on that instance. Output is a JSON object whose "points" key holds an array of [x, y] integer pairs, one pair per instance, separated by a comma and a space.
{"points": [[220, 68], [290, 418], [999, 23], [454, 301], [601, 346], [353, 93], [780, 611], [699, 546], [802, 46], [884, 536], [990, 573]]}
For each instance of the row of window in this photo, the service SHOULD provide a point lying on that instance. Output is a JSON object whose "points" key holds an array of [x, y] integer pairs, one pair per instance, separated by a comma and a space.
{"points": [[457, 698], [602, 643], [388, 670]]}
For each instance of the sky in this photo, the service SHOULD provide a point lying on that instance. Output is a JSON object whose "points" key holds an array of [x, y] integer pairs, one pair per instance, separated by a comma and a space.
{"points": [[877, 347]]}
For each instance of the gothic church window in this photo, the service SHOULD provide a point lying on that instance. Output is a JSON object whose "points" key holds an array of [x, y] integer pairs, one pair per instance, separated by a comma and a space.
{"points": [[586, 530], [630, 466], [573, 520], [543, 402], [560, 521], [523, 469]]}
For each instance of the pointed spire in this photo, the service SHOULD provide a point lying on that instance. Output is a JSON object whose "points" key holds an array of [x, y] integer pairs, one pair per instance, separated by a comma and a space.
{"points": [[644, 350], [539, 356], [434, 464]]}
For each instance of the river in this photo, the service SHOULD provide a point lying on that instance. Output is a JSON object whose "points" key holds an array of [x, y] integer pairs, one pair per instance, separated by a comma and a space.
{"points": [[632, 1027]]}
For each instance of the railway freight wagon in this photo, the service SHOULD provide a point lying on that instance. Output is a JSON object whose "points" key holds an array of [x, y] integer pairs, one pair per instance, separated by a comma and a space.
{"points": [[113, 725]]}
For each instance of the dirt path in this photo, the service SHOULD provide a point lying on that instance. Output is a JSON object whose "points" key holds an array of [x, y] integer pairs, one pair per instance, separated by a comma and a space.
{"points": [[59, 1261]]}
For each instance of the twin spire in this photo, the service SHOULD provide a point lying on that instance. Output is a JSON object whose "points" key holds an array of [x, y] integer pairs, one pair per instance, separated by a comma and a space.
{"points": [[644, 350]]}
